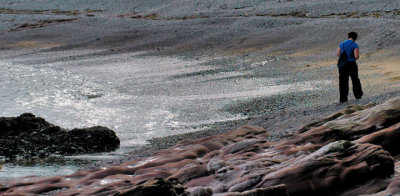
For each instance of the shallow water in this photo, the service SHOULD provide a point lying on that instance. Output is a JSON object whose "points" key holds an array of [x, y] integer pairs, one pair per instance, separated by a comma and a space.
{"points": [[138, 96], [41, 167]]}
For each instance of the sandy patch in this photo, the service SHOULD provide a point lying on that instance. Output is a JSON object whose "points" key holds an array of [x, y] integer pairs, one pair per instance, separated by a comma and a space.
{"points": [[384, 69], [327, 62], [33, 44], [303, 53]]}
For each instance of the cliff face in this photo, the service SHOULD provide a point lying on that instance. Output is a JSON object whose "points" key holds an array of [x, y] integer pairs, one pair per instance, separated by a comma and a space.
{"points": [[351, 152]]}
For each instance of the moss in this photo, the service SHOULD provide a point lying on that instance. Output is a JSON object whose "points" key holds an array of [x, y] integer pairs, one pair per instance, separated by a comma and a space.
{"points": [[326, 160], [340, 146]]}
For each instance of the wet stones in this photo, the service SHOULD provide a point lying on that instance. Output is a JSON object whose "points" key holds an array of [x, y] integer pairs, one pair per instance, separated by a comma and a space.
{"points": [[29, 136], [214, 165]]}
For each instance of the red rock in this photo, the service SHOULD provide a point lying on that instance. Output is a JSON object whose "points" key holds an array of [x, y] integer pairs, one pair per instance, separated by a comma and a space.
{"points": [[387, 138], [279, 190], [348, 153], [392, 189]]}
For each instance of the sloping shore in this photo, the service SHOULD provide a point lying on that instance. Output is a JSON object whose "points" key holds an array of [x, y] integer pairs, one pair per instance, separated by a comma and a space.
{"points": [[240, 47], [243, 44], [351, 152]]}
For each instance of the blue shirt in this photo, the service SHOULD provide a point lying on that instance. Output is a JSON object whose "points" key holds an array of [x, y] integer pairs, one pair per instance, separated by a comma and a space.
{"points": [[349, 46]]}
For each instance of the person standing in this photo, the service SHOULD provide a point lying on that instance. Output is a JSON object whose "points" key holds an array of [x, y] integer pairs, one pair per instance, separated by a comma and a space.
{"points": [[350, 69]]}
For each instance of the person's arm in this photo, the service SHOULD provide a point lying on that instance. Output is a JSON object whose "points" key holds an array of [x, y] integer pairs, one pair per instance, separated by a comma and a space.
{"points": [[338, 52], [356, 53]]}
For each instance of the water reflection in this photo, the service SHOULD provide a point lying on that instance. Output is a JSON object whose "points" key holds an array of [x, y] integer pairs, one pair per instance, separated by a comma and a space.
{"points": [[138, 96], [40, 167]]}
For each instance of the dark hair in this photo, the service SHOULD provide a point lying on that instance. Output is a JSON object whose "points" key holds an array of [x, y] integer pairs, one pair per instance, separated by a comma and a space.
{"points": [[353, 35]]}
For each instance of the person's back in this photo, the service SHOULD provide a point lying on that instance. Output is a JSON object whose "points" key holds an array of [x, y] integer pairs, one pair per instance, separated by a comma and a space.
{"points": [[349, 46]]}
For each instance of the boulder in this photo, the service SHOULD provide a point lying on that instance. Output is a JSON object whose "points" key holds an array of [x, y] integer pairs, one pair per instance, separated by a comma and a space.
{"points": [[30, 136]]}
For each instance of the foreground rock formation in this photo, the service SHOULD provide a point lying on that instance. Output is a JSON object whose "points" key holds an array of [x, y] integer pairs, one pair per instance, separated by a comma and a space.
{"points": [[352, 152], [30, 136]]}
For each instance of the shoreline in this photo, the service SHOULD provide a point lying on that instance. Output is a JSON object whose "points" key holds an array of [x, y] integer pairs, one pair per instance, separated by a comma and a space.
{"points": [[339, 142], [276, 120], [292, 42], [278, 128]]}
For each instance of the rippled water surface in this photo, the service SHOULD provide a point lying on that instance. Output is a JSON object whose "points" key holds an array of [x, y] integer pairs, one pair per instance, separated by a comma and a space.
{"points": [[138, 96]]}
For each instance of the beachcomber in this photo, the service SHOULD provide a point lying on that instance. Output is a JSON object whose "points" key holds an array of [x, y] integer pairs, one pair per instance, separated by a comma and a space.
{"points": [[349, 68]]}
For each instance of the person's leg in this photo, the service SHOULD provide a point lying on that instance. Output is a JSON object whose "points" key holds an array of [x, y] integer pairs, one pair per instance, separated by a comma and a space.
{"points": [[343, 83], [357, 90]]}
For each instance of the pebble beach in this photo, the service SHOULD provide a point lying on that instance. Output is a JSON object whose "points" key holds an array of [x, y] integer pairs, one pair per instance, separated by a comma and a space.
{"points": [[170, 72]]}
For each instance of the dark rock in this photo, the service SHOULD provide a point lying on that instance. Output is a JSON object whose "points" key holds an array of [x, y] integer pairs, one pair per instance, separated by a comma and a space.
{"points": [[201, 191], [29, 136], [278, 190], [387, 138], [156, 186], [392, 189]]}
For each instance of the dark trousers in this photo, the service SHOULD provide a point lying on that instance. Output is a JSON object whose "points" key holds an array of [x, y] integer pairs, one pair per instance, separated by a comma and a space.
{"points": [[350, 69]]}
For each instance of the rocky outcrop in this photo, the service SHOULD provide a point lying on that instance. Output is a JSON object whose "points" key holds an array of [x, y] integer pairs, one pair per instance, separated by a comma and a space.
{"points": [[30, 136], [155, 186], [352, 152]]}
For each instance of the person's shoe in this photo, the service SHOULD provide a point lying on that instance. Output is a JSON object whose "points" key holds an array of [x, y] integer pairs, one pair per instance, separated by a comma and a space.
{"points": [[343, 101], [359, 95]]}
